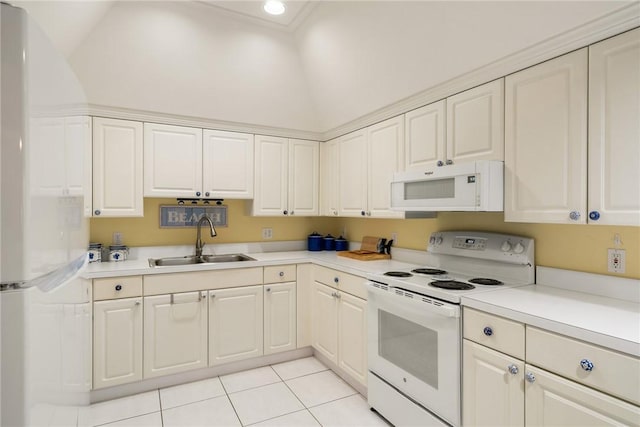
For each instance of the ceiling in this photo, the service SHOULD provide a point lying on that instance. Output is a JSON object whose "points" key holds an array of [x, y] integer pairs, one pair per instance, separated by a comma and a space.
{"points": [[296, 11]]}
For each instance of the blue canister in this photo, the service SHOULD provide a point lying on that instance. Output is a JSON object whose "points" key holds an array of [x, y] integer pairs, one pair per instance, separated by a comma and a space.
{"points": [[314, 242], [329, 243], [342, 244]]}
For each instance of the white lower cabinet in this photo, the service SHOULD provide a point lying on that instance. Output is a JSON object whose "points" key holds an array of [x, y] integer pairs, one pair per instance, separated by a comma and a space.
{"points": [[339, 329], [279, 317], [235, 324], [175, 333], [117, 342], [499, 389]]}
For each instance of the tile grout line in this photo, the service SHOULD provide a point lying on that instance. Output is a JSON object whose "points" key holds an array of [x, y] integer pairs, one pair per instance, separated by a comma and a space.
{"points": [[230, 401], [161, 414]]}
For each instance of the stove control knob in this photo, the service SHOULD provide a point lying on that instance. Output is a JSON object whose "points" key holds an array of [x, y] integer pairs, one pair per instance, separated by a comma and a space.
{"points": [[518, 248], [432, 240], [506, 246], [439, 240]]}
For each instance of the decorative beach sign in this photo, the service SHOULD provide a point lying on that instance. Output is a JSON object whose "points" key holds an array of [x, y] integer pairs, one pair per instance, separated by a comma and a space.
{"points": [[172, 216]]}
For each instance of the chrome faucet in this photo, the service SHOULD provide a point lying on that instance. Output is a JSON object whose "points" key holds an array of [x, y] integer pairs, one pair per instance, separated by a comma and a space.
{"points": [[199, 244]]}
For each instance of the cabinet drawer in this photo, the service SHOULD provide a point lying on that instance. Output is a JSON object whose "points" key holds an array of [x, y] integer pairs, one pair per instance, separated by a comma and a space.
{"points": [[280, 273], [117, 287], [495, 332], [159, 284], [611, 372], [344, 281]]}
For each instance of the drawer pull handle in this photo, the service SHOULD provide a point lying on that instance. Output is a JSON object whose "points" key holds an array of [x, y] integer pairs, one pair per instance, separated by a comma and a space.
{"points": [[118, 287], [530, 377], [587, 365], [487, 331], [513, 369], [281, 274]]}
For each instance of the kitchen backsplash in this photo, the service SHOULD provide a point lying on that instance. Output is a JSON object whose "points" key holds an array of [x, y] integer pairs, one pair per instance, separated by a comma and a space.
{"points": [[572, 247]]}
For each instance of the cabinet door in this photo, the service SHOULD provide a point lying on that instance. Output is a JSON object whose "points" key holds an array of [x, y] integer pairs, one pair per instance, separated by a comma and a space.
{"points": [[352, 174], [271, 185], [475, 123], [324, 331], [555, 401], [117, 342], [172, 161], [279, 317], [117, 168], [614, 130], [78, 154], [352, 336], [329, 178], [546, 142], [47, 175], [227, 165], [304, 163], [424, 138], [235, 324], [175, 333], [385, 157], [492, 392]]}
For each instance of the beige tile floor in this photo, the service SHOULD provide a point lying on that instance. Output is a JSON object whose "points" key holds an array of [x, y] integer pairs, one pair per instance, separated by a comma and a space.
{"points": [[299, 393]]}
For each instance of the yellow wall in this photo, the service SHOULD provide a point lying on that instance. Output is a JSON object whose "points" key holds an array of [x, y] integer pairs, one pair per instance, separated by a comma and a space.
{"points": [[573, 247]]}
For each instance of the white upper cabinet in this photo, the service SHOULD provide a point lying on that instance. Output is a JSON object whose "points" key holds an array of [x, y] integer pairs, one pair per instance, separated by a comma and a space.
{"points": [[172, 161], [465, 127], [614, 130], [367, 160], [329, 178], [546, 141], [475, 123], [385, 157], [117, 167], [352, 173], [286, 177], [227, 165], [425, 131]]}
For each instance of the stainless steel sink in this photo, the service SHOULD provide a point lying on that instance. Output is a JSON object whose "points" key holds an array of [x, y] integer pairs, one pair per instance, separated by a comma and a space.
{"points": [[191, 260]]}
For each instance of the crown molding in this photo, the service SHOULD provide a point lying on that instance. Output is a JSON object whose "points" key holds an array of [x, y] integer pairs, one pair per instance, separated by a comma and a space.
{"points": [[614, 23], [197, 122]]}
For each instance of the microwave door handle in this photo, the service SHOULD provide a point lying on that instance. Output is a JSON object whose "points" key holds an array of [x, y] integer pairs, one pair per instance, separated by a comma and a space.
{"points": [[440, 308]]}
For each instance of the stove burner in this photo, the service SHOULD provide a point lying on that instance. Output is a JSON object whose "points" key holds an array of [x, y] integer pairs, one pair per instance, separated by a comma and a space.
{"points": [[485, 281], [451, 284], [398, 274], [433, 271]]}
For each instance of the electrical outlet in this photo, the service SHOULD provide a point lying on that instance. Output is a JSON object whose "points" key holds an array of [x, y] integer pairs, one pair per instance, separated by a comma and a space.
{"points": [[616, 260], [117, 238], [267, 233]]}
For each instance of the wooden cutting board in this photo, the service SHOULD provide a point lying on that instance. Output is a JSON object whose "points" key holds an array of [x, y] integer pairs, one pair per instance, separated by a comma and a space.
{"points": [[369, 243], [364, 255]]}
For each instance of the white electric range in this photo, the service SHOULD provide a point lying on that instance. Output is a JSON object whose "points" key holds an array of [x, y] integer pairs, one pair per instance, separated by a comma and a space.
{"points": [[414, 326]]}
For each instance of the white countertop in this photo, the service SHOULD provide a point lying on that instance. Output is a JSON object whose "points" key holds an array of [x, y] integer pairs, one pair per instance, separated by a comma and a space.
{"points": [[605, 321]]}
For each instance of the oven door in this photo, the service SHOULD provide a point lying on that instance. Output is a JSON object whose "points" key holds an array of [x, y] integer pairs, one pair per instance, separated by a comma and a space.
{"points": [[414, 345]]}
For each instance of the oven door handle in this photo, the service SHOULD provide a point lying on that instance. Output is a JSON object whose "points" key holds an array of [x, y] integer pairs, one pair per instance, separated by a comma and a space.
{"points": [[417, 301]]}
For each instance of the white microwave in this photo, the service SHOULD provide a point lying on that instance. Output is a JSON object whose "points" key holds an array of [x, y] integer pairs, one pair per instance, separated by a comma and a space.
{"points": [[471, 186]]}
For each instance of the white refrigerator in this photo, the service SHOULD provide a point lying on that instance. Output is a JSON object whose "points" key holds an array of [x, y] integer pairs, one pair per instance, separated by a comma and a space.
{"points": [[45, 200]]}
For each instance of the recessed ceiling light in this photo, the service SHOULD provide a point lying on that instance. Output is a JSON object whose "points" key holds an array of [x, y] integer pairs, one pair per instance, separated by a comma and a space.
{"points": [[274, 7]]}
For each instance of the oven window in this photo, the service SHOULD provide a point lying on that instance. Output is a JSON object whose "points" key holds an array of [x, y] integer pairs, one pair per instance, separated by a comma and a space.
{"points": [[432, 189], [409, 346]]}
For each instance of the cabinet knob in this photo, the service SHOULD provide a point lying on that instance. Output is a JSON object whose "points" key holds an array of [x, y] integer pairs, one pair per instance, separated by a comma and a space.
{"points": [[138, 303], [292, 212], [335, 212], [213, 296], [587, 365], [97, 212], [286, 212], [449, 162], [281, 274], [198, 193], [206, 194], [513, 369], [487, 331], [594, 215], [336, 279], [268, 289], [118, 287], [338, 295], [363, 213], [530, 377], [440, 163], [574, 215]]}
